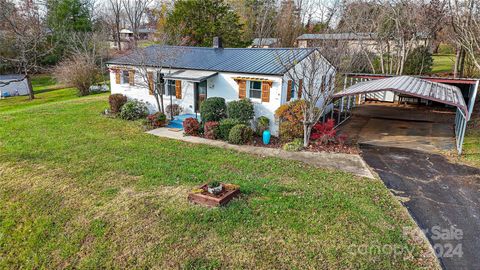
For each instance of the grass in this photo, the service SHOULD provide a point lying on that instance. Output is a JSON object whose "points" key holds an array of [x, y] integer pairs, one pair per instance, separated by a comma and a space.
{"points": [[471, 144], [45, 89], [80, 190], [443, 63]]}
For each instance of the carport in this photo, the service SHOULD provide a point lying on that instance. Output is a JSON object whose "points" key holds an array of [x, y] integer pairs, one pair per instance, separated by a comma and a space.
{"points": [[407, 86]]}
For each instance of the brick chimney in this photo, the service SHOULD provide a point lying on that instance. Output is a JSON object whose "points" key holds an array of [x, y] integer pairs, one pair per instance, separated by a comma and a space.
{"points": [[217, 43]]}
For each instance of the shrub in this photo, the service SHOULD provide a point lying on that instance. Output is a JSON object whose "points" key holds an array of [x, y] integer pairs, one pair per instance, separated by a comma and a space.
{"points": [[173, 109], [291, 117], [210, 130], [262, 124], [240, 134], [225, 126], [80, 70], [157, 119], [133, 110], [213, 109], [116, 102], [294, 146], [241, 109], [191, 126], [325, 133], [419, 61]]}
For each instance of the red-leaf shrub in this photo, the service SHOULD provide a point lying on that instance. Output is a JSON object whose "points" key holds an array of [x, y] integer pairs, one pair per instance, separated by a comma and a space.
{"points": [[324, 132], [157, 119], [116, 102], [210, 130], [191, 126]]}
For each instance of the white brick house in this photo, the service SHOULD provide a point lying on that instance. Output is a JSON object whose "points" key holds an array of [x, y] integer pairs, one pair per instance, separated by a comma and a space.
{"points": [[193, 74]]}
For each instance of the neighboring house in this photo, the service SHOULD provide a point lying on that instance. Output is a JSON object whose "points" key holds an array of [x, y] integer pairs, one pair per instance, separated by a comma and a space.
{"points": [[264, 43], [354, 41], [13, 88], [126, 34], [146, 33], [196, 73]]}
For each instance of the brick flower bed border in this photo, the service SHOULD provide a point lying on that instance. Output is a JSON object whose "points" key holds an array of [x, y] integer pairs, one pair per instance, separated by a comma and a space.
{"points": [[210, 200]]}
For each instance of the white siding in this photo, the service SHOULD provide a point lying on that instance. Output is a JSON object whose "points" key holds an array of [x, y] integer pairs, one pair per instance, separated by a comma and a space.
{"points": [[222, 85]]}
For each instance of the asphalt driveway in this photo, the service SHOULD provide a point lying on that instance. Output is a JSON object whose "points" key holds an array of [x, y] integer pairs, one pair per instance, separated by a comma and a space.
{"points": [[443, 198]]}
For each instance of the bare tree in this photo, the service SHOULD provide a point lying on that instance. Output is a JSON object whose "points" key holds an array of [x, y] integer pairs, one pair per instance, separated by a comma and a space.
{"points": [[265, 21], [116, 9], [29, 37], [317, 78], [288, 24], [151, 63], [465, 21], [83, 67], [135, 11]]}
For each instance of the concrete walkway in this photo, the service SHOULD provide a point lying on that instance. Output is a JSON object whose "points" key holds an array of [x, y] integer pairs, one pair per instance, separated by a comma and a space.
{"points": [[344, 162]]}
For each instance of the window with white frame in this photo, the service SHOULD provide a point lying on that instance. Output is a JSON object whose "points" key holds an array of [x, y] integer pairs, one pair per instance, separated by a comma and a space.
{"points": [[125, 77], [170, 87], [255, 90]]}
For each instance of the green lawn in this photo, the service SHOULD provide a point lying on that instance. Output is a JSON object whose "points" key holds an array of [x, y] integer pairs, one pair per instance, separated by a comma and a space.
{"points": [[471, 145], [443, 63], [80, 190], [45, 90]]}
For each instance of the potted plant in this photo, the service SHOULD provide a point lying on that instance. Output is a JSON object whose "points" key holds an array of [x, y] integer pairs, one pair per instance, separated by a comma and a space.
{"points": [[214, 187]]}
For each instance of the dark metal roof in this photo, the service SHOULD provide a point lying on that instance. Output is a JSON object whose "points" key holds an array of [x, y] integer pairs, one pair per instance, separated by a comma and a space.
{"points": [[237, 60], [439, 92]]}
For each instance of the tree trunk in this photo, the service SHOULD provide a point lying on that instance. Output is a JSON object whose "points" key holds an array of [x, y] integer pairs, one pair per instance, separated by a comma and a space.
{"points": [[461, 68], [118, 37], [30, 88], [307, 131]]}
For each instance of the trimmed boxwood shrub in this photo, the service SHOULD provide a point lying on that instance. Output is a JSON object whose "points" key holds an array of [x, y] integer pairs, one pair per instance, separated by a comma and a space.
{"points": [[133, 110], [213, 109], [116, 102], [240, 134], [262, 124], [225, 126], [191, 126], [174, 109], [241, 109], [210, 130]]}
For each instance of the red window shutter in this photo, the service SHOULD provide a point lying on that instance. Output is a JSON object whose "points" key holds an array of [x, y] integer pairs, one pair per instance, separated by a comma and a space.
{"points": [[117, 76], [131, 77], [289, 90], [178, 89], [242, 89], [300, 88], [150, 82], [266, 91]]}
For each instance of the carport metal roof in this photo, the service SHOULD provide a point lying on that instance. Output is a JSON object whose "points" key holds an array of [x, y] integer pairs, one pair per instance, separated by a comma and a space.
{"points": [[439, 92]]}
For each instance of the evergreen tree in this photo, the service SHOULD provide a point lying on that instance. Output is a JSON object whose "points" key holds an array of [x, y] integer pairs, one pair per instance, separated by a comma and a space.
{"points": [[69, 15], [196, 22]]}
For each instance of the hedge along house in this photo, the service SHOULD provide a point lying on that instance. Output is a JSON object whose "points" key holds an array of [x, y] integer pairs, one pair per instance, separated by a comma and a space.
{"points": [[188, 75]]}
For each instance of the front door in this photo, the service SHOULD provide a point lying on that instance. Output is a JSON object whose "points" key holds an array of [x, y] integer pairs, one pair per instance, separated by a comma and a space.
{"points": [[200, 94]]}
